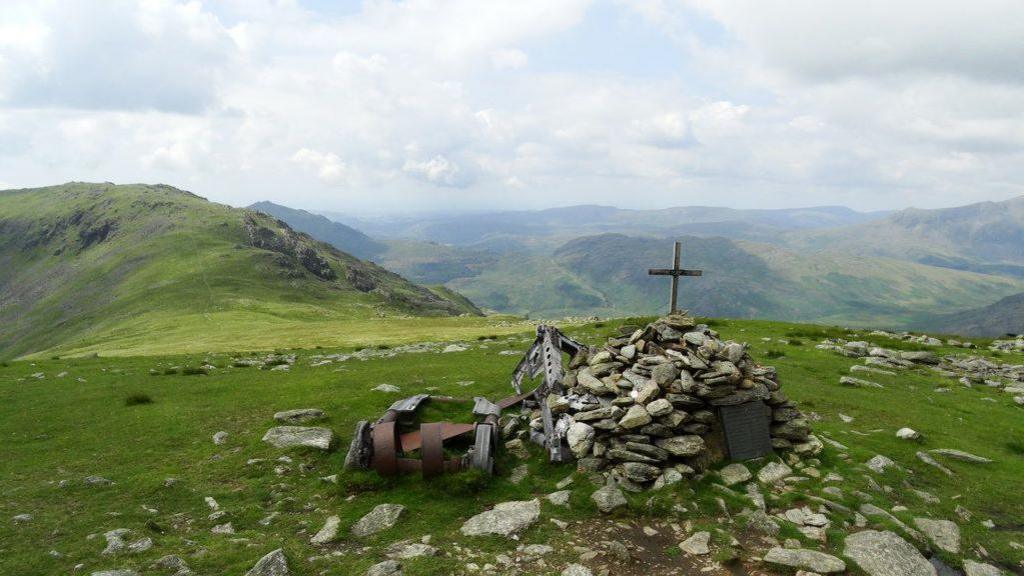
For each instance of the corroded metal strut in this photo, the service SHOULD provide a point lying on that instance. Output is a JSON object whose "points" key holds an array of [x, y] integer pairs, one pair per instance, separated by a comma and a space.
{"points": [[379, 446]]}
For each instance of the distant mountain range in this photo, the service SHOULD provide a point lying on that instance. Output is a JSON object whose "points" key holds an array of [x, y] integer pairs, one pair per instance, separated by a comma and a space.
{"points": [[525, 229], [83, 262], [826, 264]]}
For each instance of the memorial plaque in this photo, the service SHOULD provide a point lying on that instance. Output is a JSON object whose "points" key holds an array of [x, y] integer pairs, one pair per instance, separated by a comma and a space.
{"points": [[746, 430]]}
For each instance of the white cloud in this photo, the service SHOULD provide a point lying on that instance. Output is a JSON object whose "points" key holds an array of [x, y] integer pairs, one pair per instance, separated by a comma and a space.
{"points": [[327, 166], [437, 170], [400, 105], [508, 59]]}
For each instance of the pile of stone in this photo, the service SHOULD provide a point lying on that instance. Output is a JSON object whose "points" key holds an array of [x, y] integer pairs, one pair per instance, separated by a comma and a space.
{"points": [[643, 408]]}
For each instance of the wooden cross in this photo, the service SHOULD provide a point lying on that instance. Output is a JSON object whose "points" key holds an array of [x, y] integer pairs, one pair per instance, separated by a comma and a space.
{"points": [[675, 272]]}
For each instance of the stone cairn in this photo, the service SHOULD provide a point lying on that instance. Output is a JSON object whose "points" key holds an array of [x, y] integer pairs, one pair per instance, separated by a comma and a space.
{"points": [[642, 407]]}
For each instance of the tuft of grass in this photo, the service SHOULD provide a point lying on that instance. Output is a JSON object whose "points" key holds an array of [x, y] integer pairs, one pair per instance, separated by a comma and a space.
{"points": [[170, 371], [137, 399], [464, 483], [796, 342], [194, 371], [773, 354], [1016, 446], [362, 481]]}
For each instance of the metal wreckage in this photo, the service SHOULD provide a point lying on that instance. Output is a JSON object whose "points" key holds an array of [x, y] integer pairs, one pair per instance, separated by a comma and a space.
{"points": [[384, 445]]}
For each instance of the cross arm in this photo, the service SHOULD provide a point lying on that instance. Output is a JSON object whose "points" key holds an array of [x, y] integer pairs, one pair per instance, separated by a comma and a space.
{"points": [[672, 272]]}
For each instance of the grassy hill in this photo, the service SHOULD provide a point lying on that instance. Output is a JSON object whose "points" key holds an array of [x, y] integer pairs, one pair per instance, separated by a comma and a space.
{"points": [[63, 420], [145, 268]]}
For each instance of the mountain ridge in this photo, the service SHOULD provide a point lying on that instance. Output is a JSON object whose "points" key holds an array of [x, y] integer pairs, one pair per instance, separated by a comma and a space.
{"points": [[83, 261]]}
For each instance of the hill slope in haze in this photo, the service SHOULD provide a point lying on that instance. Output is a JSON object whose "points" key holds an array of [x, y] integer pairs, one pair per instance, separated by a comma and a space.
{"points": [[518, 230], [83, 262], [984, 237], [342, 237], [607, 275], [1003, 317]]}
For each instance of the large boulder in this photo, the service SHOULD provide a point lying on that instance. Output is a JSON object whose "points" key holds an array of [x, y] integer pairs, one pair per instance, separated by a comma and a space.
{"points": [[295, 436], [504, 519], [382, 517], [886, 554]]}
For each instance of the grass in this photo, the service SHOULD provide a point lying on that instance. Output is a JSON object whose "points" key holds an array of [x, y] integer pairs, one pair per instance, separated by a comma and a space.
{"points": [[137, 399], [62, 429]]}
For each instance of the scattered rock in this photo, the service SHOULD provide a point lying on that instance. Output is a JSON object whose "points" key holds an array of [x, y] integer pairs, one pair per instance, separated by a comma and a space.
{"points": [[295, 436], [773, 472], [972, 568], [880, 463], [943, 533], [504, 519], [382, 517], [560, 498], [220, 437], [405, 551], [608, 498], [576, 570], [961, 456], [886, 554], [907, 434], [328, 533], [697, 544], [386, 388], [173, 563], [22, 518], [97, 481], [805, 559], [299, 416], [273, 564], [735, 473], [927, 459]]}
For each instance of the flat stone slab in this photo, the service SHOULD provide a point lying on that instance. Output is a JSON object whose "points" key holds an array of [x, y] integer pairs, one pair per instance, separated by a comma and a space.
{"points": [[886, 554], [382, 517], [299, 415], [295, 436], [773, 472], [961, 456], [504, 519], [943, 533], [972, 568], [805, 559]]}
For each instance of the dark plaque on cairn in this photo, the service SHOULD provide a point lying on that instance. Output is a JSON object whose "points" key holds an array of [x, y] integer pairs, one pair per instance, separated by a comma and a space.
{"points": [[746, 430]]}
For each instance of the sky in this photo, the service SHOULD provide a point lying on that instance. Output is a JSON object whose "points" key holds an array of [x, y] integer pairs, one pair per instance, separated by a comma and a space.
{"points": [[383, 107]]}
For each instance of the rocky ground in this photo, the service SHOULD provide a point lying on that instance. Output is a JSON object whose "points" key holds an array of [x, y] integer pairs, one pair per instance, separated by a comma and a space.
{"points": [[233, 464]]}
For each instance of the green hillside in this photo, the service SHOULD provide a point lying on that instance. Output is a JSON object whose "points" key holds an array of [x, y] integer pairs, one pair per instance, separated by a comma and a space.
{"points": [[147, 266]]}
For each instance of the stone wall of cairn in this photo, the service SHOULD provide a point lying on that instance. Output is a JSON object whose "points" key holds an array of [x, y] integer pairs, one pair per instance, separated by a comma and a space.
{"points": [[642, 408]]}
